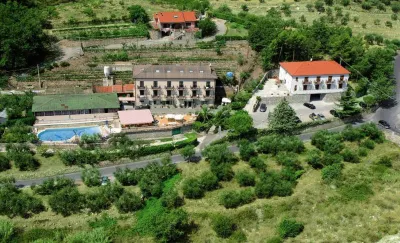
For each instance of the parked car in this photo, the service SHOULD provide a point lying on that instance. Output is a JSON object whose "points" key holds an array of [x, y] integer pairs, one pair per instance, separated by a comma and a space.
{"points": [[309, 105], [321, 117], [333, 113], [384, 124], [105, 181], [313, 116], [263, 107], [297, 119], [141, 107]]}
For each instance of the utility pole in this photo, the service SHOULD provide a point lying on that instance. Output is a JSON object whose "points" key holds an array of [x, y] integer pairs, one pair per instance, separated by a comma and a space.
{"points": [[38, 73]]}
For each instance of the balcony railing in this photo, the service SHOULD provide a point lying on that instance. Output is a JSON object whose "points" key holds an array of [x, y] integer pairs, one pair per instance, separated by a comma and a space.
{"points": [[142, 87], [209, 87], [156, 96], [194, 87], [169, 87], [181, 87], [155, 87], [208, 96], [196, 96], [141, 96]]}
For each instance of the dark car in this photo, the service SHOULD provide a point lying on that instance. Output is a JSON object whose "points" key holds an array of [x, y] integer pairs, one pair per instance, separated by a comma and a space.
{"points": [[313, 116], [321, 117], [384, 124], [309, 105], [333, 113], [141, 107], [263, 107]]}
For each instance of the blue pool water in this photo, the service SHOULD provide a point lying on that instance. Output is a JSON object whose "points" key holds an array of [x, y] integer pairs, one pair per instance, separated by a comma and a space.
{"points": [[62, 134]]}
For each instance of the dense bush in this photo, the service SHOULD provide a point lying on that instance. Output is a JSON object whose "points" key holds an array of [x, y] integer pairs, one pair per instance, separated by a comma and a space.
{"points": [[129, 202], [128, 177], [24, 161], [67, 201], [368, 143], [330, 159], [91, 177], [234, 199], [223, 171], [192, 188], [96, 202], [208, 181], [247, 150], [385, 161], [362, 151], [290, 228], [352, 134], [332, 173], [188, 152], [52, 185], [274, 144], [218, 154], [350, 156], [245, 178], [171, 199], [271, 184], [372, 131], [7, 231], [288, 159], [223, 226], [16, 203], [314, 158], [79, 157], [320, 139], [258, 164], [171, 226], [207, 27], [112, 191], [4, 163]]}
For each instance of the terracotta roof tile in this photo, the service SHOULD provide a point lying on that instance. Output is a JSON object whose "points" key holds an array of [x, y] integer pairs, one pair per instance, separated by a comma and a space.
{"points": [[176, 17], [309, 68]]}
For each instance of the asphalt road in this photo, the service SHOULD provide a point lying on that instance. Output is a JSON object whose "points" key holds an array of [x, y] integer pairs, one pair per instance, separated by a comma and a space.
{"points": [[109, 170], [392, 115]]}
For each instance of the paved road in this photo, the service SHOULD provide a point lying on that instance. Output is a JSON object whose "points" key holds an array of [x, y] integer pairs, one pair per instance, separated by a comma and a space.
{"points": [[109, 171], [392, 115]]}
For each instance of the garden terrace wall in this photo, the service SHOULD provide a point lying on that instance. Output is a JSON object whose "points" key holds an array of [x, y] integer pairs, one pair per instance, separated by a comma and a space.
{"points": [[153, 133]]}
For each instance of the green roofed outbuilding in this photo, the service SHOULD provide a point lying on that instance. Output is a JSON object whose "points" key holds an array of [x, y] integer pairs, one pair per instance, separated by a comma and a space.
{"points": [[72, 104]]}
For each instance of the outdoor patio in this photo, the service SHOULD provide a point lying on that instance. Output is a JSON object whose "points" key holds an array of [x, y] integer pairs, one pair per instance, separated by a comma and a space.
{"points": [[173, 120]]}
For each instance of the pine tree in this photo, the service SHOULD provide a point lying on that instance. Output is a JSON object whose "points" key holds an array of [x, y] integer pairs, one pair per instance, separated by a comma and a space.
{"points": [[283, 119], [348, 105]]}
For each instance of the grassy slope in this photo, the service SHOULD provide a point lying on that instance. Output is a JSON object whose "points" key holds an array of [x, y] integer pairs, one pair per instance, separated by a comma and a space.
{"points": [[327, 213]]}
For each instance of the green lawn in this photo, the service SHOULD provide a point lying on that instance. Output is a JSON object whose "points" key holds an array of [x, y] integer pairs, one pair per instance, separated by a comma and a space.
{"points": [[234, 29]]}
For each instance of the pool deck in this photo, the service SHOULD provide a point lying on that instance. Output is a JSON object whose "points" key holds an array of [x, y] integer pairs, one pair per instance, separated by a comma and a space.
{"points": [[74, 119]]}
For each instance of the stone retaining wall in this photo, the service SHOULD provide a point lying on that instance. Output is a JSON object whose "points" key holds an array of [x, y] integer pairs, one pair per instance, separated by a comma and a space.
{"points": [[290, 99], [155, 133]]}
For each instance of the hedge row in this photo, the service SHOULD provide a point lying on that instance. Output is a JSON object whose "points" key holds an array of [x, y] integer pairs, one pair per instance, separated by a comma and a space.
{"points": [[230, 37]]}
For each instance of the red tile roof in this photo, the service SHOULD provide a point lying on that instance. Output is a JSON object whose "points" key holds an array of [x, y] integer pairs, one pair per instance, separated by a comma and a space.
{"points": [[176, 17], [118, 88], [314, 68]]}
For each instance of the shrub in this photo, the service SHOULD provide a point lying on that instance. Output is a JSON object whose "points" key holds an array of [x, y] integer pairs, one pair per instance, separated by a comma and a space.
{"points": [[330, 159], [372, 131], [275, 143], [129, 202], [257, 163], [188, 152], [223, 226], [247, 150], [288, 159], [350, 156], [96, 202], [91, 177], [112, 191], [333, 146], [192, 189], [25, 161], [352, 134], [4, 163], [366, 5], [331, 173], [368, 143], [52, 185], [234, 199], [362, 151], [385, 161], [223, 171], [395, 7], [290, 228], [98, 235], [359, 191], [171, 226], [64, 64], [345, 2], [67, 201], [7, 231], [245, 178], [128, 177], [207, 27], [314, 158], [171, 199], [208, 181], [271, 184]]}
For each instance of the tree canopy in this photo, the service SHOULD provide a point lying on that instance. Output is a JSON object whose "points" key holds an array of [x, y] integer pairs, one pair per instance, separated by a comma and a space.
{"points": [[240, 122], [138, 14], [348, 105], [283, 119], [207, 27]]}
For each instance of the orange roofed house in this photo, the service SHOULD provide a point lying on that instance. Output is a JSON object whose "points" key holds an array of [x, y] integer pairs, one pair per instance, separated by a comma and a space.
{"points": [[318, 79], [168, 22]]}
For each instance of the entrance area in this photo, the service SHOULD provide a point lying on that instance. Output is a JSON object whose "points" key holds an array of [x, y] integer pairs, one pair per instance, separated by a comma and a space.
{"points": [[188, 104], [316, 97]]}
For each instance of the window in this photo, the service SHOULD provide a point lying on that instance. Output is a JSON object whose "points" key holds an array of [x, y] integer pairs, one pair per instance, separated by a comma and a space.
{"points": [[141, 92], [328, 86], [181, 71], [329, 78], [318, 79], [297, 79], [305, 79], [305, 87], [169, 93], [155, 92], [295, 87], [180, 92], [317, 86], [194, 84], [169, 84], [194, 93], [341, 77], [155, 84], [340, 86], [157, 71], [181, 84], [208, 84], [141, 84], [208, 93]]}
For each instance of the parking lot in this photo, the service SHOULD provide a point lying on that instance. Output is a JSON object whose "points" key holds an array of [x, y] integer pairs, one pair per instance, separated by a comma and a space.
{"points": [[260, 119]]}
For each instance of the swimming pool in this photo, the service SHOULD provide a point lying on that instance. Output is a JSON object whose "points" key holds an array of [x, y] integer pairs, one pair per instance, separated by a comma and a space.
{"points": [[63, 134]]}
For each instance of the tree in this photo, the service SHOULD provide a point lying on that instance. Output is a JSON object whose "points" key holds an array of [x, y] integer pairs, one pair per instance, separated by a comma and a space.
{"points": [[91, 177], [240, 123], [171, 199], [208, 181], [4, 163], [223, 226], [138, 14], [25, 161], [22, 39], [290, 228], [283, 119], [319, 6], [171, 226], [207, 27], [245, 178], [260, 36], [395, 7], [332, 173], [66, 201], [188, 152], [96, 202], [129, 202], [348, 105], [247, 150], [218, 154], [51, 185], [192, 188], [245, 7]]}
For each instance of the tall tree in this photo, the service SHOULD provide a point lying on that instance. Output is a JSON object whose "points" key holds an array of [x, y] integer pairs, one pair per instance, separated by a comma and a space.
{"points": [[264, 31], [348, 105], [207, 27], [240, 123], [22, 40], [138, 14], [283, 119]]}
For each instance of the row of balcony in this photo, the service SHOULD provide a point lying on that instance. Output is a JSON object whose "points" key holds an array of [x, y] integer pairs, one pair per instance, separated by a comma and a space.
{"points": [[181, 87], [177, 96], [325, 82]]}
